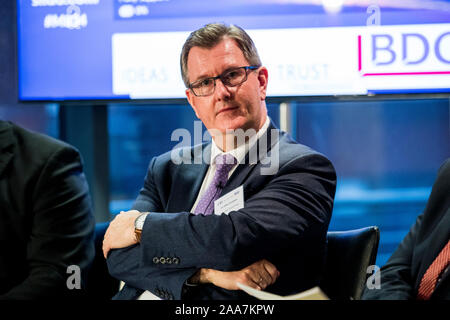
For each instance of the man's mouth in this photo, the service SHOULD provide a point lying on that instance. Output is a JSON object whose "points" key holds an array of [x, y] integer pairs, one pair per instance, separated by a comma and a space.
{"points": [[226, 109]]}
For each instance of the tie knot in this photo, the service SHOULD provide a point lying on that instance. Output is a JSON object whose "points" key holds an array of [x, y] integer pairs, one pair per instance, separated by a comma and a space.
{"points": [[225, 161]]}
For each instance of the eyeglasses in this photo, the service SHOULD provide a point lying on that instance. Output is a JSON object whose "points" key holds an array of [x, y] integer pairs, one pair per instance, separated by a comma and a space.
{"points": [[230, 78]]}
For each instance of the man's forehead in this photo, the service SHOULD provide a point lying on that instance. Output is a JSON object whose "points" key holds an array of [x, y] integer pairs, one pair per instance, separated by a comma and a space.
{"points": [[225, 54]]}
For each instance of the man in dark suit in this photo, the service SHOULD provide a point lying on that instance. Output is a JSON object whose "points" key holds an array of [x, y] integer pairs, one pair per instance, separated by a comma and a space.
{"points": [[46, 224], [419, 267], [280, 193]]}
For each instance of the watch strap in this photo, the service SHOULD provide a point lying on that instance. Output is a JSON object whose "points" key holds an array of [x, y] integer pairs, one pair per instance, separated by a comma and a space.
{"points": [[138, 225], [138, 234]]}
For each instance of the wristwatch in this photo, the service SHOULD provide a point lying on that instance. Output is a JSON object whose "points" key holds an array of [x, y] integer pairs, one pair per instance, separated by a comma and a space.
{"points": [[139, 225]]}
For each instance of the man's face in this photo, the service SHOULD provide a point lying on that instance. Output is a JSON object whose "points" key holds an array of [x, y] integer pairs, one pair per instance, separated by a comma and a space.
{"points": [[229, 108]]}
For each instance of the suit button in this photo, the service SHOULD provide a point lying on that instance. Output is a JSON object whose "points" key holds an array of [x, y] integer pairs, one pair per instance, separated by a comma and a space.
{"points": [[169, 260], [162, 260], [175, 260], [155, 260]]}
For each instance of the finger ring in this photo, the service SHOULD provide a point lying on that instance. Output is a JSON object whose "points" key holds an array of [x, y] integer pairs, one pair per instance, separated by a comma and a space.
{"points": [[260, 280]]}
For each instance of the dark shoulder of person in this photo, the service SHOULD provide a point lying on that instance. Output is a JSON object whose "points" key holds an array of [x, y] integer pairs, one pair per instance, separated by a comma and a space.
{"points": [[40, 147]]}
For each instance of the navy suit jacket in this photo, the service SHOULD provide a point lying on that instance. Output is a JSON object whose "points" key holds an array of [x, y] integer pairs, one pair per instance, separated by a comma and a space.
{"points": [[401, 276], [284, 220]]}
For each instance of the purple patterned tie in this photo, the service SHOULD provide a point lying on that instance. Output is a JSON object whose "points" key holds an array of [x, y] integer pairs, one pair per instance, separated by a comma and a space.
{"points": [[224, 163]]}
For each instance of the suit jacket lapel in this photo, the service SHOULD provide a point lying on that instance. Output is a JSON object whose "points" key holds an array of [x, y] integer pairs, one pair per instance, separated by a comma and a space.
{"points": [[188, 180], [252, 158], [190, 176], [6, 145]]}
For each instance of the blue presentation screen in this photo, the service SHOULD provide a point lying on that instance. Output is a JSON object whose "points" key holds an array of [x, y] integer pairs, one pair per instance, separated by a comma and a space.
{"points": [[129, 49]]}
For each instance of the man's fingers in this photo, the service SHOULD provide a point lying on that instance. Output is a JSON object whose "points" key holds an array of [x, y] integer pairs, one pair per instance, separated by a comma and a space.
{"points": [[263, 273], [259, 277], [263, 278], [254, 284], [271, 270], [105, 249], [104, 246], [249, 276], [120, 232], [261, 283]]}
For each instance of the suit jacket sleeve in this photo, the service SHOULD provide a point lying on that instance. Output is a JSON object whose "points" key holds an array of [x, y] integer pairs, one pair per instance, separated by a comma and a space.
{"points": [[148, 198], [62, 229], [295, 206], [396, 275], [126, 264]]}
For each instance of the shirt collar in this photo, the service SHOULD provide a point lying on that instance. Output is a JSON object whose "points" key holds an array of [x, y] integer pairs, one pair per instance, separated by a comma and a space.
{"points": [[240, 152]]}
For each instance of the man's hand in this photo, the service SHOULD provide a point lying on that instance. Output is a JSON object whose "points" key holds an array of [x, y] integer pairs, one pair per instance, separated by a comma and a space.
{"points": [[120, 233], [258, 275]]}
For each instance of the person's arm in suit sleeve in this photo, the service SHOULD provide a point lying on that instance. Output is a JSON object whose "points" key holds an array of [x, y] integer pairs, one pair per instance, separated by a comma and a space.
{"points": [[62, 229], [125, 264], [296, 205], [395, 276], [148, 198]]}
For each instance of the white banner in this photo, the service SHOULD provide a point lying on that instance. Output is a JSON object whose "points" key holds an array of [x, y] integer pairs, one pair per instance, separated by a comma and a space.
{"points": [[306, 61]]}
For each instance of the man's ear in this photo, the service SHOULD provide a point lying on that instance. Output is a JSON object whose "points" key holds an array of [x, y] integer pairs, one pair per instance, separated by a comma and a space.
{"points": [[190, 97], [263, 76]]}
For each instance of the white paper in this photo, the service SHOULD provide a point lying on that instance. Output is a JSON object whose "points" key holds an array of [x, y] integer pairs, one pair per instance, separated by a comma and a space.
{"points": [[312, 294]]}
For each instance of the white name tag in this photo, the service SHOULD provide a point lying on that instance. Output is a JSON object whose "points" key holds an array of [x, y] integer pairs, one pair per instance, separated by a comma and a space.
{"points": [[233, 200]]}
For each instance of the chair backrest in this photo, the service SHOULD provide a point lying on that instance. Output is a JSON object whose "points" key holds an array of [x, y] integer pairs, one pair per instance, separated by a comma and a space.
{"points": [[349, 254], [100, 284]]}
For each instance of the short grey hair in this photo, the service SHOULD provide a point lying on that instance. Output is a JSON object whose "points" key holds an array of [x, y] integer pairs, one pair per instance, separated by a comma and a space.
{"points": [[209, 36]]}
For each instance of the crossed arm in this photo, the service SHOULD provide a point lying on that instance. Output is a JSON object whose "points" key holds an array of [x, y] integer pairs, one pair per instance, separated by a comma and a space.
{"points": [[258, 275]]}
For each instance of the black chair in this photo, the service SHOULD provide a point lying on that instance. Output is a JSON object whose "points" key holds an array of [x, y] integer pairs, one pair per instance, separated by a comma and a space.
{"points": [[100, 285], [349, 254]]}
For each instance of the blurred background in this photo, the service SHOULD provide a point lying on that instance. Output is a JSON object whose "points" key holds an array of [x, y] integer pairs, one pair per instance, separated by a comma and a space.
{"points": [[62, 71]]}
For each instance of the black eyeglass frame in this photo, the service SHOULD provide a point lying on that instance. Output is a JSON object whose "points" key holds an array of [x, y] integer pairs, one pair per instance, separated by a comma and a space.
{"points": [[247, 68]]}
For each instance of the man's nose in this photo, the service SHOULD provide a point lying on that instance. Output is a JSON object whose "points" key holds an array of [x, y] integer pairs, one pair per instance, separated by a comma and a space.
{"points": [[222, 91]]}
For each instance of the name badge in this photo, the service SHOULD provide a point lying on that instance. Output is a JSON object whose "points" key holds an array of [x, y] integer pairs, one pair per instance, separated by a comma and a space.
{"points": [[233, 200]]}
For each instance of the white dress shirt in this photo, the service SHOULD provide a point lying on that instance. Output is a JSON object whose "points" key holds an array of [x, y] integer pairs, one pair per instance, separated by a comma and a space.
{"points": [[238, 153]]}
